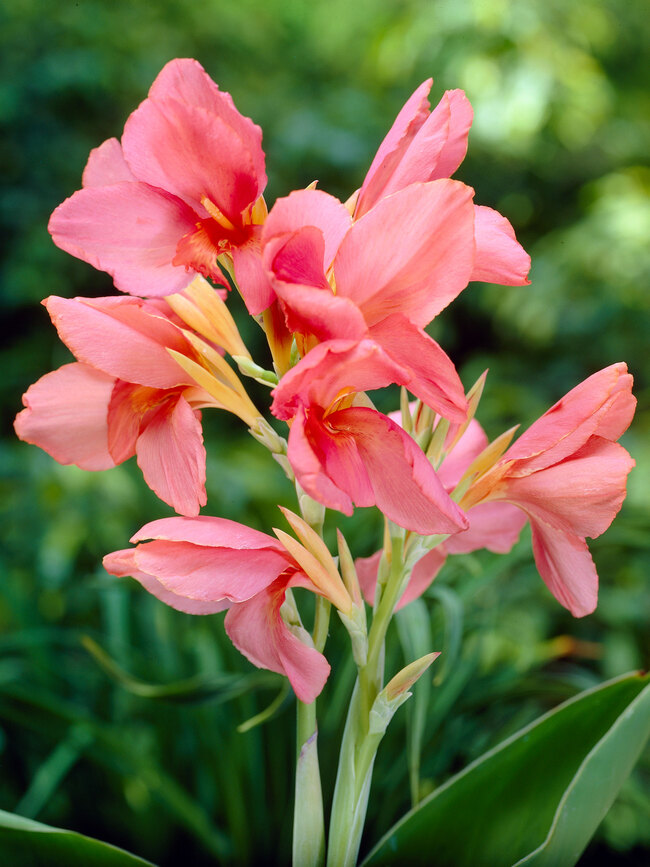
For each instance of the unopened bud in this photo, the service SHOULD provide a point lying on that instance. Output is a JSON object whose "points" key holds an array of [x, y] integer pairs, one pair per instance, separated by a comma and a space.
{"points": [[404, 680], [259, 374], [348, 570], [355, 623], [262, 431]]}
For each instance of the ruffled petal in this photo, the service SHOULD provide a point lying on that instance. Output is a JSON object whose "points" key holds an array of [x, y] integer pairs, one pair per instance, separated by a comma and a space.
{"points": [[392, 149], [334, 368], [172, 457], [125, 413], [314, 209], [413, 253], [194, 154], [257, 630], [185, 79], [122, 337], [433, 377], [500, 258], [454, 150], [129, 230], [66, 415], [495, 526], [405, 486], [106, 166], [603, 405], [209, 532], [565, 564], [252, 279], [327, 467], [438, 147], [581, 494], [210, 574], [122, 564]]}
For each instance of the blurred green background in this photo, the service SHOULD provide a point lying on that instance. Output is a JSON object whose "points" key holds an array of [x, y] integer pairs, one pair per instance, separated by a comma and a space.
{"points": [[147, 755]]}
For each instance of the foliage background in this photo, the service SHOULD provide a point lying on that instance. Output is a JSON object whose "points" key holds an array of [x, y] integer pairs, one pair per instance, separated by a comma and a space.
{"points": [[559, 143]]}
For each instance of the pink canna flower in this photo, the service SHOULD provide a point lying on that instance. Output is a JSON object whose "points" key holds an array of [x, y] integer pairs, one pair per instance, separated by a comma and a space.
{"points": [[424, 146], [345, 453], [204, 565], [568, 475], [125, 395], [183, 188], [382, 278], [495, 526]]}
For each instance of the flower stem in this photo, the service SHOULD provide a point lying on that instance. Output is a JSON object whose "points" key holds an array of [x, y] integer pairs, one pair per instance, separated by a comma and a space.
{"points": [[308, 818], [360, 742]]}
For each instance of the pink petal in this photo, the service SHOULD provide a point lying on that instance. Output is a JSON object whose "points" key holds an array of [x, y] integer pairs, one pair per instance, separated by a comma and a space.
{"points": [[122, 564], [565, 564], [581, 494], [433, 375], [603, 404], [412, 253], [409, 120], [128, 406], [309, 208], [316, 311], [257, 630], [122, 337], [297, 257], [500, 258], [332, 369], [171, 456], [66, 416], [252, 280], [455, 147], [424, 571], [468, 447], [438, 147], [106, 166], [367, 568], [405, 486], [186, 80], [327, 466], [420, 158], [495, 526], [208, 532], [129, 230], [210, 574], [193, 153]]}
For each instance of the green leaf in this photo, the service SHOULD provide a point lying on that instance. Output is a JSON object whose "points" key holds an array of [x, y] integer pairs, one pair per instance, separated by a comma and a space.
{"points": [[538, 797], [218, 688], [31, 844]]}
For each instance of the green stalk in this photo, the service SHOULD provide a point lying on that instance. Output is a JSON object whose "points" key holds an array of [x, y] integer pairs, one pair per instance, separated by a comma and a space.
{"points": [[308, 814], [360, 741], [308, 817]]}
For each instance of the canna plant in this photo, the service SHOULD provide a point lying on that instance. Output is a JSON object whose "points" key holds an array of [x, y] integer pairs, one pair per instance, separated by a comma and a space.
{"points": [[343, 292]]}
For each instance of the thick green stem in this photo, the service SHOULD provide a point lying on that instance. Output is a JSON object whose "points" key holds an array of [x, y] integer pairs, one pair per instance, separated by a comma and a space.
{"points": [[360, 742], [308, 818], [308, 815]]}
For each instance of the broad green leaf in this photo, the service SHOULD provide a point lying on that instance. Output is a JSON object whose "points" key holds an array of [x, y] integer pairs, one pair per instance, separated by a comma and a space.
{"points": [[30, 844], [538, 797]]}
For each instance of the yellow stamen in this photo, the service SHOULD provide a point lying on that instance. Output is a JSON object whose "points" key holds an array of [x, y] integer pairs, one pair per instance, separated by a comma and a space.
{"points": [[216, 214]]}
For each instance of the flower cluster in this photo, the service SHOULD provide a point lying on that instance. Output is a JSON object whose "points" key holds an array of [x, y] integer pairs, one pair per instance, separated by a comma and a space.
{"points": [[175, 213]]}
